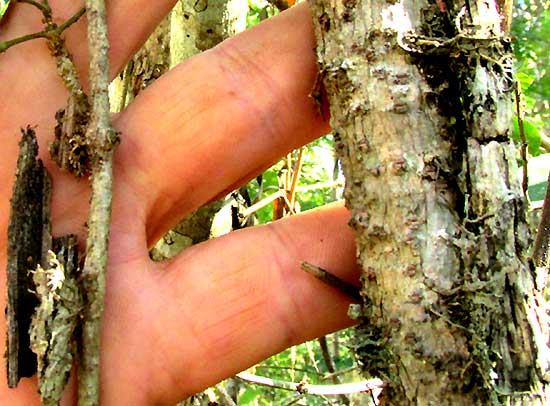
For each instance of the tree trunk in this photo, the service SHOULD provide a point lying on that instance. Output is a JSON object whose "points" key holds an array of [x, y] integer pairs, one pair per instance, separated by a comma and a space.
{"points": [[147, 65], [420, 99]]}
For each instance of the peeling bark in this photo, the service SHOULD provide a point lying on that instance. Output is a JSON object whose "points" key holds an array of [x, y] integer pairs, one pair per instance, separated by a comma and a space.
{"points": [[32, 188], [420, 100], [44, 299]]}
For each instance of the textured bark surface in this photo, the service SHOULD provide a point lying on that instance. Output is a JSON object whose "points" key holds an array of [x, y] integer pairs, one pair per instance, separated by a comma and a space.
{"points": [[52, 332], [420, 99], [200, 25], [32, 188], [44, 301], [219, 20], [101, 140], [147, 65], [184, 28], [192, 26]]}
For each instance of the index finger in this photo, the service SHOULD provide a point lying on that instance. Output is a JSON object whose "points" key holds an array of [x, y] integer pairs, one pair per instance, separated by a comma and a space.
{"points": [[221, 117]]}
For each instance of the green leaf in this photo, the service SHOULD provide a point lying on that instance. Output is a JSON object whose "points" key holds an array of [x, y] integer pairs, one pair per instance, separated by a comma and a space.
{"points": [[537, 192], [532, 136], [3, 7], [248, 396], [525, 80]]}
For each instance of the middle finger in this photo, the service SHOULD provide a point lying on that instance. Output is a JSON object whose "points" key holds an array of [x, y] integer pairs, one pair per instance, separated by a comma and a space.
{"points": [[221, 118]]}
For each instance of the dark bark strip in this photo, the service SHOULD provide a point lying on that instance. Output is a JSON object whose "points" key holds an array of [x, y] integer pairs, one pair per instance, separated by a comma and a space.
{"points": [[24, 254], [44, 301]]}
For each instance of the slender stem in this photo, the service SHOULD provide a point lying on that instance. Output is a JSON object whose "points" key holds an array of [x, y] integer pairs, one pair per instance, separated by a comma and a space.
{"points": [[93, 281], [329, 363], [295, 176], [226, 399], [519, 113], [71, 20], [267, 200], [327, 358], [339, 372], [101, 139], [4, 46], [341, 389], [49, 33], [292, 369]]}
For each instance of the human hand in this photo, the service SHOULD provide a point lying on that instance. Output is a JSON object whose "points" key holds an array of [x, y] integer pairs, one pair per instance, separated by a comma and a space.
{"points": [[172, 329]]}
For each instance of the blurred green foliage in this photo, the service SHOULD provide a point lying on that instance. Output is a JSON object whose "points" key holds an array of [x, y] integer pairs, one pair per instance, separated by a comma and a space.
{"points": [[531, 41], [259, 10], [3, 7], [532, 135], [302, 363], [318, 167], [538, 175]]}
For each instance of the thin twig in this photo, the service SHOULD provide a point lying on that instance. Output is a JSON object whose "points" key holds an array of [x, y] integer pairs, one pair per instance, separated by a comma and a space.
{"points": [[125, 85], [290, 400], [4, 46], [49, 33], [76, 16], [312, 358], [327, 358], [523, 149], [65, 65], [280, 367], [329, 363], [332, 280], [295, 176], [102, 140], [339, 372], [267, 200], [324, 390], [227, 400]]}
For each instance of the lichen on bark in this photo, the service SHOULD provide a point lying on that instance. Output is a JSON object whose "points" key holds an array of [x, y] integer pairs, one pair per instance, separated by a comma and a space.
{"points": [[102, 140], [54, 323], [43, 294], [420, 101]]}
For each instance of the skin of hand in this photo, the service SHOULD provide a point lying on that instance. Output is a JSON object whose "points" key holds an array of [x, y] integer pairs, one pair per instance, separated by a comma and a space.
{"points": [[172, 329]]}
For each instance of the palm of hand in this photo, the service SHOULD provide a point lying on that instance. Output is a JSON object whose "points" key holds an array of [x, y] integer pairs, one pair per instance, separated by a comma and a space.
{"points": [[174, 328]]}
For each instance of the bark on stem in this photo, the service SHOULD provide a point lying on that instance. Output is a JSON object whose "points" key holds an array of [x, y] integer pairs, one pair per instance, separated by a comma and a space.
{"points": [[420, 101], [101, 139]]}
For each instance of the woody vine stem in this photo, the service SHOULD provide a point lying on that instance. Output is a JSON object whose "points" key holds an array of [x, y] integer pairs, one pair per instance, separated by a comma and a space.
{"points": [[102, 139]]}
